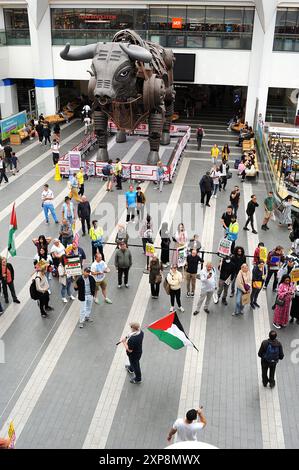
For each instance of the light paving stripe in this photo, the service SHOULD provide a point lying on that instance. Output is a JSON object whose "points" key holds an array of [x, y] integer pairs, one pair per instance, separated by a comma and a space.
{"points": [[11, 313], [38, 159], [102, 420], [193, 369], [272, 429], [40, 376]]}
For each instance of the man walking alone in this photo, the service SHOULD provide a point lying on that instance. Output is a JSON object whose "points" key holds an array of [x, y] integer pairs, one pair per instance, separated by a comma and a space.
{"points": [[251, 206], [270, 353]]}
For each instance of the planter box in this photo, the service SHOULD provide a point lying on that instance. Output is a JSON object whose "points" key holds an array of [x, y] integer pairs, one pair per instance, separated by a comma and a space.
{"points": [[15, 139]]}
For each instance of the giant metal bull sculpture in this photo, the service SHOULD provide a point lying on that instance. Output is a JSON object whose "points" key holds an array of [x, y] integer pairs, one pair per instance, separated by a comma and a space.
{"points": [[131, 81]]}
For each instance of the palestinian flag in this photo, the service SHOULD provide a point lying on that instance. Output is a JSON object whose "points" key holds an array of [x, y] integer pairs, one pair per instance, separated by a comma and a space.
{"points": [[170, 330], [11, 235]]}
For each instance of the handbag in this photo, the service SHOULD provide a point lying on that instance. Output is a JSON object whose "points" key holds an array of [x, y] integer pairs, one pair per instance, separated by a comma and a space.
{"points": [[257, 284], [166, 286], [280, 302], [229, 175], [158, 279], [245, 298]]}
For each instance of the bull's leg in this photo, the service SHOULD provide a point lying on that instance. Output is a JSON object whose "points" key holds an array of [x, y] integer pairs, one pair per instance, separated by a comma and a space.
{"points": [[100, 124], [155, 123], [121, 137], [169, 110]]}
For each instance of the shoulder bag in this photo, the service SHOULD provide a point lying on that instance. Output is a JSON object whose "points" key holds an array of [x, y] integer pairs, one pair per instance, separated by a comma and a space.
{"points": [[166, 286]]}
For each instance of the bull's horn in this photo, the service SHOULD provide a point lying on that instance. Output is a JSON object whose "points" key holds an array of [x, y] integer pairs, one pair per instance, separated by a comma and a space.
{"points": [[136, 52], [80, 53]]}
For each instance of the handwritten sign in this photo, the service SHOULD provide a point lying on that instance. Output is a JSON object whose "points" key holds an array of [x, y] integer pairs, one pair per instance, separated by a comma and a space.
{"points": [[182, 255], [295, 275], [149, 250], [224, 248], [73, 266]]}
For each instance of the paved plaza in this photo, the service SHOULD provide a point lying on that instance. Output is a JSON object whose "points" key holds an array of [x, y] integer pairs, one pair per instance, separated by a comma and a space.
{"points": [[67, 388]]}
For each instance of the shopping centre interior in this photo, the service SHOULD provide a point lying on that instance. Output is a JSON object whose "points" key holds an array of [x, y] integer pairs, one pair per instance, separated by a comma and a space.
{"points": [[236, 75]]}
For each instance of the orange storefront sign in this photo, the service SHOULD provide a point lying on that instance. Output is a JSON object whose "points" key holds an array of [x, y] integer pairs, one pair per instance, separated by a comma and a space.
{"points": [[177, 23]]}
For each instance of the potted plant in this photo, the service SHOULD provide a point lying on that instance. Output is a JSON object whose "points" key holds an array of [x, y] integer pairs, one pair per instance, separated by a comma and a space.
{"points": [[15, 138]]}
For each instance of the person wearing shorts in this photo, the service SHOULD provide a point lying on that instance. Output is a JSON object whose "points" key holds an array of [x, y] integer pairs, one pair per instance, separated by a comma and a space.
{"points": [[98, 270]]}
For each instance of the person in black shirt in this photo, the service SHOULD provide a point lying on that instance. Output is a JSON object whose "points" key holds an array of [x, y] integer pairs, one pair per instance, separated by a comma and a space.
{"points": [[270, 353], [206, 186], [226, 218], [84, 212], [235, 199], [226, 268], [191, 270], [237, 260], [133, 346], [252, 204]]}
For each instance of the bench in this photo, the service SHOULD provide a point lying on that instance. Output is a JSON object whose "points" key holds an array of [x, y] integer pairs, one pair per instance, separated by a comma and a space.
{"points": [[248, 145], [16, 139], [238, 127]]}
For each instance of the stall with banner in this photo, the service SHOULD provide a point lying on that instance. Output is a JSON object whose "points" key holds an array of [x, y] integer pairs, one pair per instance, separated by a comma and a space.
{"points": [[12, 123]]}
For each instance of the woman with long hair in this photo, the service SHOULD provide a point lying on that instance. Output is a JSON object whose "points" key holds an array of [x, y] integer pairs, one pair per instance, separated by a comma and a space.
{"points": [[155, 276], [283, 302]]}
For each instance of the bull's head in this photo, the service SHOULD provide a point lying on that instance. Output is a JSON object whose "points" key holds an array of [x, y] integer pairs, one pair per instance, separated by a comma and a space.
{"points": [[113, 75]]}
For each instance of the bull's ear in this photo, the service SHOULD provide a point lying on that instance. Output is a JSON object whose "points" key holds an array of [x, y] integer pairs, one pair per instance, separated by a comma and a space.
{"points": [[80, 53], [136, 52]]}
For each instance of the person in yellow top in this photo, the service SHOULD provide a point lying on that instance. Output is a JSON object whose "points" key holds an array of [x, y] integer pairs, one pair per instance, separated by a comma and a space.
{"points": [[118, 172], [96, 234], [80, 179], [73, 186], [214, 153], [233, 232]]}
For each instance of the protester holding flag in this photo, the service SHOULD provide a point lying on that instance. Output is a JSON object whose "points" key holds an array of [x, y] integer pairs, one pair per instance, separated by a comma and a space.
{"points": [[133, 346], [7, 280]]}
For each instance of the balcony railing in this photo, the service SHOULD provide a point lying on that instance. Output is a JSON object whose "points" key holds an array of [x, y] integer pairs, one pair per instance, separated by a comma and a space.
{"points": [[176, 39], [286, 42], [2, 38], [16, 37]]}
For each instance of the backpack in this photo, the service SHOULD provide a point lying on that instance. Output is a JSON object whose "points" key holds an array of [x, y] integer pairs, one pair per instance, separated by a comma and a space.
{"points": [[236, 164], [106, 170], [33, 290], [272, 353]]}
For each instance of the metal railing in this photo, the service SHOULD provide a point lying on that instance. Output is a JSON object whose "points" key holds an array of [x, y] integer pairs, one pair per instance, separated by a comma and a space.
{"points": [[286, 42], [16, 37], [168, 38]]}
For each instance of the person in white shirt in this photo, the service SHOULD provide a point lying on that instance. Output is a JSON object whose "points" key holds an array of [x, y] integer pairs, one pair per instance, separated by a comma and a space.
{"points": [[208, 277], [47, 203], [215, 175], [57, 251], [85, 111], [87, 124], [55, 151], [186, 429], [98, 270]]}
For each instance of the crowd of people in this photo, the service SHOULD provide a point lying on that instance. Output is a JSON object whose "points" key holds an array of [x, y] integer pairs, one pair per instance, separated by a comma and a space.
{"points": [[234, 275]]}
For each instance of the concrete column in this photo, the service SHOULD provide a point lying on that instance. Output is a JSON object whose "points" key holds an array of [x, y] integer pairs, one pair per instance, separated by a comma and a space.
{"points": [[46, 96], [41, 45], [260, 60], [8, 98]]}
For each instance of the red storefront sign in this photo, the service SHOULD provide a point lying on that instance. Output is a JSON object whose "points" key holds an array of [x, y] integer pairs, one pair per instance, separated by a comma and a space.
{"points": [[177, 23]]}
